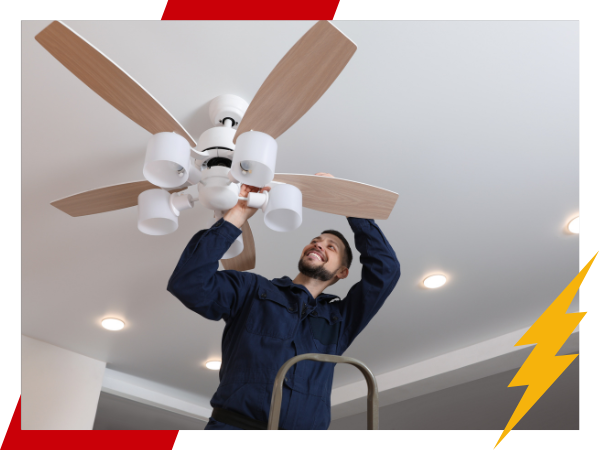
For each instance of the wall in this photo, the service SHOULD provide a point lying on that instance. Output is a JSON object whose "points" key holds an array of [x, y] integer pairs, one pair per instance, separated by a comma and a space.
{"points": [[59, 388]]}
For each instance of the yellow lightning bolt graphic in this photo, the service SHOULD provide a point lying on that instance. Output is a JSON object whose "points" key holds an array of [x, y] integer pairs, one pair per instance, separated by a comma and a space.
{"points": [[549, 332]]}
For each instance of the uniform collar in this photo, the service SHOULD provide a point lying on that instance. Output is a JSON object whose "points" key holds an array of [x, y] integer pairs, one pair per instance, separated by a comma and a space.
{"points": [[288, 283]]}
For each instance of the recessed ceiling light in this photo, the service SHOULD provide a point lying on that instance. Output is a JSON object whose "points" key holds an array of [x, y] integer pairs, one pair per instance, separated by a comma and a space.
{"points": [[213, 365], [434, 281], [113, 324], [574, 225]]}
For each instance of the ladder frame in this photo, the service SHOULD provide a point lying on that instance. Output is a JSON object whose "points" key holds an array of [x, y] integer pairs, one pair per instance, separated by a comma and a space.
{"points": [[372, 396]]}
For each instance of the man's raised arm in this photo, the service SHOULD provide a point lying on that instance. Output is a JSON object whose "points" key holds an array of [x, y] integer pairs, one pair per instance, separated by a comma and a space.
{"points": [[198, 283], [380, 273]]}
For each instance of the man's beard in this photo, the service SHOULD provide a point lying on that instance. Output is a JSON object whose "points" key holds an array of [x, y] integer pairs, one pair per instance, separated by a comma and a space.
{"points": [[318, 273]]}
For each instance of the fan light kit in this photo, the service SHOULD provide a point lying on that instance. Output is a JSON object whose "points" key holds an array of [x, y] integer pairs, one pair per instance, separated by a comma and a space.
{"points": [[434, 281], [254, 159], [167, 160], [113, 324], [240, 147]]}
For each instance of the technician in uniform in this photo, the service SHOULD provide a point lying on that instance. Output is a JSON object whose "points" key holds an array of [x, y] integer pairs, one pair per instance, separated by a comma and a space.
{"points": [[268, 322]]}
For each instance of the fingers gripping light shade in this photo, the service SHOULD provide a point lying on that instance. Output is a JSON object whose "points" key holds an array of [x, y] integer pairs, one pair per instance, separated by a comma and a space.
{"points": [[167, 160], [254, 159]]}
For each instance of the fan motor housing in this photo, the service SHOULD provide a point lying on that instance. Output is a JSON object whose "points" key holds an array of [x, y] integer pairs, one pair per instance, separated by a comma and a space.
{"points": [[214, 138]]}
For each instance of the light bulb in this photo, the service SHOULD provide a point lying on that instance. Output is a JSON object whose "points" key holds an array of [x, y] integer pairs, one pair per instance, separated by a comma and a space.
{"points": [[246, 167], [213, 365], [434, 281], [176, 168], [574, 225], [113, 324]]}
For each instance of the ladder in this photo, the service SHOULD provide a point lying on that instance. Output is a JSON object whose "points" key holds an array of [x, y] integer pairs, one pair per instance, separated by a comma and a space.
{"points": [[372, 396]]}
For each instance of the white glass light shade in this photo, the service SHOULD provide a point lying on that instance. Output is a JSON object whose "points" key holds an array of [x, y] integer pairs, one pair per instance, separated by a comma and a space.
{"points": [[113, 324], [155, 215], [254, 159], [574, 225], [434, 281], [283, 210], [167, 160]]}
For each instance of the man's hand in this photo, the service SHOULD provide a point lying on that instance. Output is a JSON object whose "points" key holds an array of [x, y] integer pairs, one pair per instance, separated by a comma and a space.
{"points": [[240, 213]]}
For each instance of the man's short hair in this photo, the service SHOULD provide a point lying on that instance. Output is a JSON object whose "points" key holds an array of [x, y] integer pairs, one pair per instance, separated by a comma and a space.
{"points": [[347, 259]]}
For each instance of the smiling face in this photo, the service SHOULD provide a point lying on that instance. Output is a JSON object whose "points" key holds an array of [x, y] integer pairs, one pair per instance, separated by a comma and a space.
{"points": [[322, 258]]}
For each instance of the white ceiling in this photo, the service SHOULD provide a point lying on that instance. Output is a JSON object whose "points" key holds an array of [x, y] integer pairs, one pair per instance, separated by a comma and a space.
{"points": [[474, 124]]}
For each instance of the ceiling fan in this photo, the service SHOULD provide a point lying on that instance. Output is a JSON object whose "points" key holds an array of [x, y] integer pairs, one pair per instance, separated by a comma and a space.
{"points": [[240, 148]]}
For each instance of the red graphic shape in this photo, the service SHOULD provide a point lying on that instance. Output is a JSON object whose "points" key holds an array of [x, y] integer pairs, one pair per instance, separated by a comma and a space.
{"points": [[249, 10], [18, 439]]}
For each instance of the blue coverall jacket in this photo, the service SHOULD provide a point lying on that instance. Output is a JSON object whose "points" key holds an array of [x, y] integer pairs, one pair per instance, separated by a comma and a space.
{"points": [[268, 322]]}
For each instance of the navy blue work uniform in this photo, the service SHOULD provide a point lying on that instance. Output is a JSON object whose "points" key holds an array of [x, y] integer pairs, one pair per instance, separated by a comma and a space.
{"points": [[268, 322]]}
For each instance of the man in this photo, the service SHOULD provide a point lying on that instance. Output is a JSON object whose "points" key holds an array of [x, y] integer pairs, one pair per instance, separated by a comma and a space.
{"points": [[269, 322]]}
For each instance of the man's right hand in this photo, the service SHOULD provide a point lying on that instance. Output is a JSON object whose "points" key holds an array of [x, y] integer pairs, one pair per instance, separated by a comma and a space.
{"points": [[240, 213]]}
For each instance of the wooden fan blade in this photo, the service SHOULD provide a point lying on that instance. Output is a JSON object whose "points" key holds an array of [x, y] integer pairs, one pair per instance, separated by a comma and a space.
{"points": [[298, 81], [247, 259], [108, 80], [104, 199], [343, 197]]}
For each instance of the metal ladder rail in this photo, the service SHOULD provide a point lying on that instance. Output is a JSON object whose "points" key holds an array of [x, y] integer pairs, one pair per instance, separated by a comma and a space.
{"points": [[372, 396]]}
